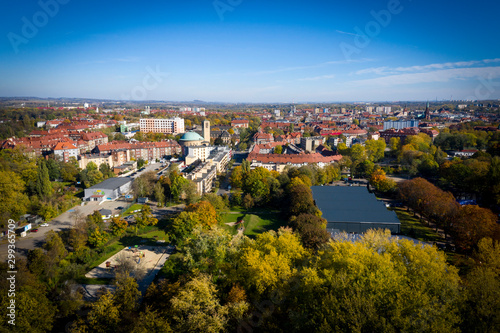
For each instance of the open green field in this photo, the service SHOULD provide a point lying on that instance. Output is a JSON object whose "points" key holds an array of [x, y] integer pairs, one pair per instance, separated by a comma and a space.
{"points": [[254, 222], [412, 227], [132, 208]]}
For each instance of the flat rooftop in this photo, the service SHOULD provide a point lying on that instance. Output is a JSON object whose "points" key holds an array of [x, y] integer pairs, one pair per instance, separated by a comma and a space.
{"points": [[111, 183], [343, 205]]}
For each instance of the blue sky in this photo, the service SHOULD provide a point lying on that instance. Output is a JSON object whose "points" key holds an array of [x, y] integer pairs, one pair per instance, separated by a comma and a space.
{"points": [[251, 51]]}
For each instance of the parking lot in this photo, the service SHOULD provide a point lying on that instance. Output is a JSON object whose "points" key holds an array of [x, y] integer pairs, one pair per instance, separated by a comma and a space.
{"points": [[64, 221]]}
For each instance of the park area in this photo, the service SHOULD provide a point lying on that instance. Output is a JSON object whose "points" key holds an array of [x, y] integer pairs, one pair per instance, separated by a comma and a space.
{"points": [[143, 258], [253, 223], [142, 261]]}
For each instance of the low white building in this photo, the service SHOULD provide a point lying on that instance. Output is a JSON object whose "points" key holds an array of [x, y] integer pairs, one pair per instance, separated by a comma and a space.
{"points": [[110, 189]]}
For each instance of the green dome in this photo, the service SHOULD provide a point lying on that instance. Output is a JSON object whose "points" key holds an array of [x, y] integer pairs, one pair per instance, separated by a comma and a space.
{"points": [[191, 136]]}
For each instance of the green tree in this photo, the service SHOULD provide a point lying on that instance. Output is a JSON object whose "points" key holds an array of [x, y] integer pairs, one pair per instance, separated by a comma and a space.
{"points": [[14, 201], [146, 217], [93, 177], [394, 145], [98, 237], [43, 188], [91, 166], [196, 308], [95, 219], [358, 153], [127, 295], [33, 310], [103, 317], [278, 149], [207, 250], [300, 200], [267, 263], [118, 226], [151, 321], [312, 230], [54, 169], [54, 246], [215, 200], [248, 202], [182, 226], [69, 171], [78, 236], [377, 285], [483, 290], [237, 177], [106, 171], [159, 193], [141, 162], [143, 185], [375, 149]]}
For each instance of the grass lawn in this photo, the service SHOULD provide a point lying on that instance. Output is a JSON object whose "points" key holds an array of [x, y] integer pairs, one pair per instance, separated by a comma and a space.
{"points": [[131, 209], [254, 222], [412, 227]]}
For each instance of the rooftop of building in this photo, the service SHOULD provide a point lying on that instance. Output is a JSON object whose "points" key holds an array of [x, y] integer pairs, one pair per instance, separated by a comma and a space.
{"points": [[351, 204], [191, 136], [111, 183]]}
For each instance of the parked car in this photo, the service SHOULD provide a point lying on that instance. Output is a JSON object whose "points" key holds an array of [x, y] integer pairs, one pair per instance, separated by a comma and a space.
{"points": [[119, 207], [34, 230], [44, 225]]}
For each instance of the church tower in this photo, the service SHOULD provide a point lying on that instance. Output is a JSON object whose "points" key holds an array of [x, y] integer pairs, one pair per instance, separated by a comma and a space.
{"points": [[427, 112], [206, 130]]}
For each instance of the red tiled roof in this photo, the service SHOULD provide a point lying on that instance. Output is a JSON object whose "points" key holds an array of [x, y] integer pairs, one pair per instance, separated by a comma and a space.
{"points": [[64, 146], [115, 145], [293, 158], [93, 136]]}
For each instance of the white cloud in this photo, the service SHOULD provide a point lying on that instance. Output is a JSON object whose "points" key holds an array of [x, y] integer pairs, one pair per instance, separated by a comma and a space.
{"points": [[443, 75], [347, 33], [296, 68], [373, 70], [316, 78], [425, 68]]}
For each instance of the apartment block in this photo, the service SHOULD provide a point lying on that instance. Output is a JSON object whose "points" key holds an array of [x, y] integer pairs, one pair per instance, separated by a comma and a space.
{"points": [[159, 125]]}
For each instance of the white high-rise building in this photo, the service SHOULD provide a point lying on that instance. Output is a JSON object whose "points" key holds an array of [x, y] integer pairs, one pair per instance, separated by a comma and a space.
{"points": [[166, 126]]}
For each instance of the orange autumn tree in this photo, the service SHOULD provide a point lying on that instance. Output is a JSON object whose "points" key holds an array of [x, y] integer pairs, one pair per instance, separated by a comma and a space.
{"points": [[379, 180], [473, 223], [205, 212]]}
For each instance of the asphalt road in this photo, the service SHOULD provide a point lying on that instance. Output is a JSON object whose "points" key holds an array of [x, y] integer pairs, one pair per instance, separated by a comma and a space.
{"points": [[62, 222], [66, 221]]}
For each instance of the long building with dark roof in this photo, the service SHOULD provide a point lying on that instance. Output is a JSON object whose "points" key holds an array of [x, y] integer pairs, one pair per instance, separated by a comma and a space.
{"points": [[353, 209]]}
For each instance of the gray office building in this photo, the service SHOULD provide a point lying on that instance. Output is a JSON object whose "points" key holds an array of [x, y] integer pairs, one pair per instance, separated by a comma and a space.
{"points": [[353, 209]]}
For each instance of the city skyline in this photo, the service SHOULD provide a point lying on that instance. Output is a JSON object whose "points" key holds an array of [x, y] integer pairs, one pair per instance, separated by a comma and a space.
{"points": [[251, 52]]}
